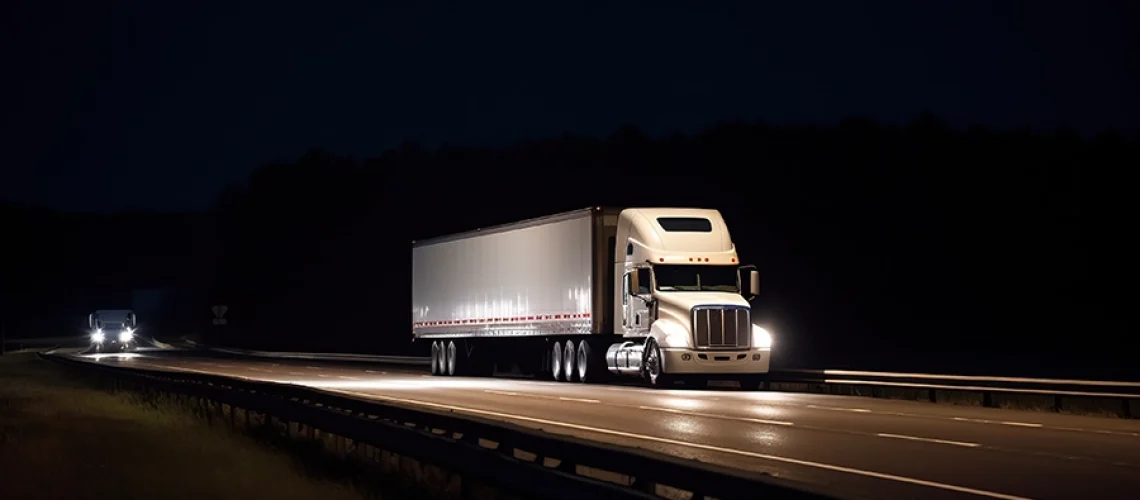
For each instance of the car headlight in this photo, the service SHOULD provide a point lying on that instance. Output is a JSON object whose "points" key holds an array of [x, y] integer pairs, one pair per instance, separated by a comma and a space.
{"points": [[97, 337], [761, 338], [126, 335]]}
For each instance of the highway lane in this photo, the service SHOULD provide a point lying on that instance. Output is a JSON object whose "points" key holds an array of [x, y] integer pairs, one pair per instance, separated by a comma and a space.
{"points": [[858, 446]]}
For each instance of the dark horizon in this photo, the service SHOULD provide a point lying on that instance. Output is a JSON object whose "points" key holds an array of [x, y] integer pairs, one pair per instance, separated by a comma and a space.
{"points": [[171, 105]]}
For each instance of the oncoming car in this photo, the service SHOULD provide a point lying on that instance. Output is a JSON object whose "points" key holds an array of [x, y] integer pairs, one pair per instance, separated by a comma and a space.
{"points": [[112, 330]]}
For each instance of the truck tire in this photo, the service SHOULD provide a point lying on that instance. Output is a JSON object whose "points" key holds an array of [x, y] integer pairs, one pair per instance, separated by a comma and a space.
{"points": [[569, 362], [435, 363], [651, 366], [453, 363], [556, 362], [591, 364]]}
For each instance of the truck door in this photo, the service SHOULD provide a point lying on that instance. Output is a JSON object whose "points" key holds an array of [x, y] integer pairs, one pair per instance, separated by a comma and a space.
{"points": [[626, 303], [636, 314]]}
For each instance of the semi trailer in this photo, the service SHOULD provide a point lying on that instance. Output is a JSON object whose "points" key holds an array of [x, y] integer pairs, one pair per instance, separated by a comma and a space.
{"points": [[657, 293], [112, 329]]}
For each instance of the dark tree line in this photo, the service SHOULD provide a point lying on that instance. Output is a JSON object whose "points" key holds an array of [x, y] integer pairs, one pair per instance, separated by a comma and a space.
{"points": [[882, 247]]}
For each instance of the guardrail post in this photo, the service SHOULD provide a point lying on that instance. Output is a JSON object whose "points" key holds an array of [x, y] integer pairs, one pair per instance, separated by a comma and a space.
{"points": [[1057, 404], [1125, 408], [987, 399]]}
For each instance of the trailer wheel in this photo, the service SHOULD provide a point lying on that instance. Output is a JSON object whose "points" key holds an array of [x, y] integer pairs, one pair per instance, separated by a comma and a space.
{"points": [[451, 358], [569, 362], [435, 358], [556, 362]]}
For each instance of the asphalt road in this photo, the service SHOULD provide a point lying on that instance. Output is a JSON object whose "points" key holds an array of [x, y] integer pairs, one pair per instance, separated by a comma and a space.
{"points": [[857, 447]]}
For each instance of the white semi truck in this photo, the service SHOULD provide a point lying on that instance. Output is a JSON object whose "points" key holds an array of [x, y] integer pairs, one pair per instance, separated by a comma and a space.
{"points": [[112, 329], [657, 293]]}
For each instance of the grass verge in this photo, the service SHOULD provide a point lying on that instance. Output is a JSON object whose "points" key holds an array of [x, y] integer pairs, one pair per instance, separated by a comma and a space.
{"points": [[59, 438]]}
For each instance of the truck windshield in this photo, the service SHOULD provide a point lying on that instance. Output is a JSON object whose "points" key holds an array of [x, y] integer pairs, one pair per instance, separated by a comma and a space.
{"points": [[112, 326], [681, 278]]}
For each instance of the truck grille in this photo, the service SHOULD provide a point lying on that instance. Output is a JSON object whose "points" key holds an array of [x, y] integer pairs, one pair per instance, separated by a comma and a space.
{"points": [[722, 327]]}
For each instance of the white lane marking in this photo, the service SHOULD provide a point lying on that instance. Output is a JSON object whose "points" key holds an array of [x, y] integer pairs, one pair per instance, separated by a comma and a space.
{"points": [[929, 440], [712, 415], [313, 367], [970, 420], [579, 400], [836, 408], [504, 393], [323, 375], [1098, 431], [999, 422], [674, 442], [622, 389], [296, 373], [1021, 424], [374, 371], [349, 378]]}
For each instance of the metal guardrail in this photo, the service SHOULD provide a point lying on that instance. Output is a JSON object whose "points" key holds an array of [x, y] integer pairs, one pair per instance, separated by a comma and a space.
{"points": [[1021, 385], [415, 433], [928, 386]]}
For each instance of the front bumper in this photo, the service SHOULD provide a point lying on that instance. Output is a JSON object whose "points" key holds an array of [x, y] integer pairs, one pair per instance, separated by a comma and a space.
{"points": [[113, 345], [699, 362]]}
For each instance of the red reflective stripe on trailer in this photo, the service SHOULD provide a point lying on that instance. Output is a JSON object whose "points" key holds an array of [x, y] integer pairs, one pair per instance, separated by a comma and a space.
{"points": [[511, 319]]}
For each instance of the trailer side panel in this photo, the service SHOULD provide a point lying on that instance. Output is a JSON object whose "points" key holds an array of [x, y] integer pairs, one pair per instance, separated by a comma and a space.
{"points": [[532, 279]]}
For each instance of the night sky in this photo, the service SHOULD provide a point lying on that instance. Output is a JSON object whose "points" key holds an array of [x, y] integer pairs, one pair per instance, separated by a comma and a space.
{"points": [[167, 102]]}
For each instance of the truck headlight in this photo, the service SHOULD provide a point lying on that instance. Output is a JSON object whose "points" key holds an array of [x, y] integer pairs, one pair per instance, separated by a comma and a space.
{"points": [[761, 338], [97, 337], [677, 339], [126, 335]]}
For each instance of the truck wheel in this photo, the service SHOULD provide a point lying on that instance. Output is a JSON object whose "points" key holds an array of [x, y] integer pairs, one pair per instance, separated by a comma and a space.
{"points": [[452, 359], [591, 367], [652, 368], [556, 362], [569, 363], [435, 358]]}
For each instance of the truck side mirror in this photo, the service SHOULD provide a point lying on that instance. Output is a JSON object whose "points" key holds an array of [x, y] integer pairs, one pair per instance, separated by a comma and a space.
{"points": [[91, 320], [754, 283], [131, 320]]}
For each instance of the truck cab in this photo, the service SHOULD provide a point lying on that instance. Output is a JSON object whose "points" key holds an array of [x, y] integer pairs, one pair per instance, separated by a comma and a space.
{"points": [[112, 330], [683, 299]]}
